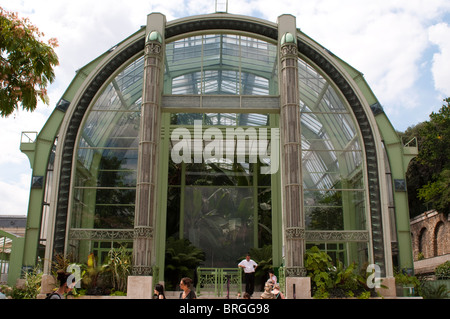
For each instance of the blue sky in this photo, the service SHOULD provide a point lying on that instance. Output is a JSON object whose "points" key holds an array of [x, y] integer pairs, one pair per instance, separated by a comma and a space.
{"points": [[401, 46]]}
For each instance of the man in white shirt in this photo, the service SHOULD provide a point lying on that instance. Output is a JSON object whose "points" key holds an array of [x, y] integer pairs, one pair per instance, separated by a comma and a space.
{"points": [[249, 266]]}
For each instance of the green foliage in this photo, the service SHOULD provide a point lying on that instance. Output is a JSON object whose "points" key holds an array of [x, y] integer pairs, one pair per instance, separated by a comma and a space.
{"points": [[429, 292], [428, 175], [437, 192], [328, 214], [334, 281], [182, 258], [119, 266], [402, 278], [118, 293], [32, 286], [26, 64], [33, 280], [443, 270], [91, 274]]}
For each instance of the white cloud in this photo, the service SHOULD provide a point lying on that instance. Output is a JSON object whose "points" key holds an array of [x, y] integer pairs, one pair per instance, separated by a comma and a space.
{"points": [[14, 196], [439, 35], [384, 39]]}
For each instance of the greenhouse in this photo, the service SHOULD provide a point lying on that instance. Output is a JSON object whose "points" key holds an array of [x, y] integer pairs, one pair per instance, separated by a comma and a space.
{"points": [[231, 132]]}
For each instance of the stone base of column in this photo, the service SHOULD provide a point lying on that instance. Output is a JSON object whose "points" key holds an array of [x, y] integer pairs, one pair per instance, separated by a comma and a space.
{"points": [[387, 289], [298, 288], [140, 287], [48, 284]]}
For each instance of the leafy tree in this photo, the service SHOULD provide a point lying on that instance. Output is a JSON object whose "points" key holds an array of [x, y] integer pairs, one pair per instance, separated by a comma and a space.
{"points": [[26, 64], [428, 175]]}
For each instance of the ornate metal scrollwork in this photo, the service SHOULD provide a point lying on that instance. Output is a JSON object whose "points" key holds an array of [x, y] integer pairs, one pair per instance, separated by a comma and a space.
{"points": [[143, 232], [295, 233], [101, 234], [295, 272], [338, 236], [138, 270]]}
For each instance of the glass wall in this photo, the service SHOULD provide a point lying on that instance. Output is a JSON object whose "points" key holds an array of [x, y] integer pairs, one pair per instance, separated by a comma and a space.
{"points": [[106, 161], [223, 206], [332, 162]]}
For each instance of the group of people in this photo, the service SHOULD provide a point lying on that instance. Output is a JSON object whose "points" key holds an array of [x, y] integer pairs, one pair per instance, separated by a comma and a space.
{"points": [[66, 285], [271, 288]]}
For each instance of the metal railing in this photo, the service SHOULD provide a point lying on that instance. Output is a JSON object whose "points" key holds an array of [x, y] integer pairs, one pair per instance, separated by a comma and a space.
{"points": [[28, 137], [219, 280]]}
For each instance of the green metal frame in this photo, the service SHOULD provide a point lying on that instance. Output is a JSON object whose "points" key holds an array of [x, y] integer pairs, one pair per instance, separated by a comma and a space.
{"points": [[217, 279], [15, 258], [38, 153]]}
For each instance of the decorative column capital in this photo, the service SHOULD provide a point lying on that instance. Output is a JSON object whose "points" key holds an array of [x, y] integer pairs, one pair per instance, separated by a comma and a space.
{"points": [[153, 48], [288, 50]]}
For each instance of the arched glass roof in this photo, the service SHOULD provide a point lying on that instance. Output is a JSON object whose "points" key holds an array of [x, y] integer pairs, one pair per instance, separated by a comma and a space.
{"points": [[221, 64]]}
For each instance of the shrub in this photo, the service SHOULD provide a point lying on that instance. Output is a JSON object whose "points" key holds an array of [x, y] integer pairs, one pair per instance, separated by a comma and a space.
{"points": [[334, 281], [119, 265], [443, 271]]}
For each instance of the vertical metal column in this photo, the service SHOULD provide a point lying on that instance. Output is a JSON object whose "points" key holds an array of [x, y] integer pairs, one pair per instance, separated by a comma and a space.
{"points": [[149, 138], [293, 216]]}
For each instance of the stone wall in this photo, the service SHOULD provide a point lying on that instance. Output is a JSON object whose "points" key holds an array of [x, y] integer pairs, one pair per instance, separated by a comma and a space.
{"points": [[430, 235]]}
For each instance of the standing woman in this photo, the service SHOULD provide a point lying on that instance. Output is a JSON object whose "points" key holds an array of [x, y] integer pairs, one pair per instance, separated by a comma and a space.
{"points": [[185, 285], [159, 292]]}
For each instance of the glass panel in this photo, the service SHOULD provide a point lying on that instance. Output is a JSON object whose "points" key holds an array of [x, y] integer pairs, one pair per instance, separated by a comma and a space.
{"points": [[114, 214], [332, 160], [106, 167], [235, 174], [325, 169], [337, 130], [220, 221], [221, 64], [264, 216], [125, 91], [111, 129], [334, 210], [221, 119], [173, 211]]}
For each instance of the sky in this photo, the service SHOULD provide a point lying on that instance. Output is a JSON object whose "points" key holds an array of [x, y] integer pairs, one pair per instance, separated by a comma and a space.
{"points": [[401, 46]]}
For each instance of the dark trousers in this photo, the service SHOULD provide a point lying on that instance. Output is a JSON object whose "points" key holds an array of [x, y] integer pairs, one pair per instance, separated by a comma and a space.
{"points": [[250, 283]]}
